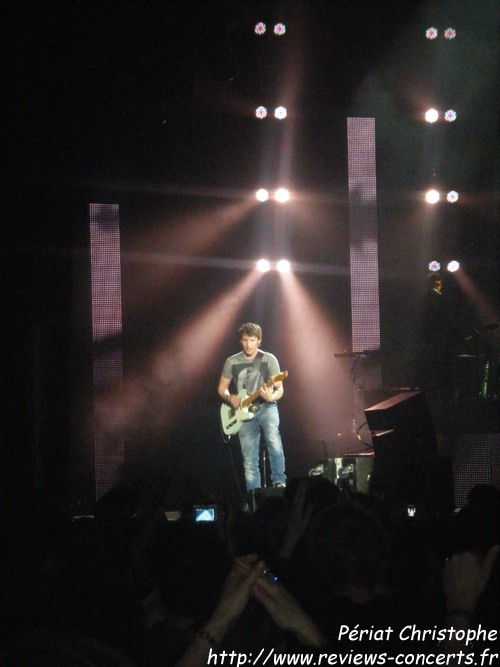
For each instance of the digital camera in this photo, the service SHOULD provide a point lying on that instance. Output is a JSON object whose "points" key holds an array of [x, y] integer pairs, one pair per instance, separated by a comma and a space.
{"points": [[205, 513]]}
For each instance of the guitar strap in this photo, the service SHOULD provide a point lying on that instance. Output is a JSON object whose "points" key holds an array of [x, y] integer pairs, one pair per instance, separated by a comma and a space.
{"points": [[252, 380]]}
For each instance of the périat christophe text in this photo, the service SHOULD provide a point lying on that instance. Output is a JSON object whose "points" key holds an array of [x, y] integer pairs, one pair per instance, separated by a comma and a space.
{"points": [[358, 637], [414, 634]]}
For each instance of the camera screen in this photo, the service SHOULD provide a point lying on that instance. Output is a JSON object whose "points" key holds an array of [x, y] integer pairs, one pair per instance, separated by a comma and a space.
{"points": [[204, 513]]}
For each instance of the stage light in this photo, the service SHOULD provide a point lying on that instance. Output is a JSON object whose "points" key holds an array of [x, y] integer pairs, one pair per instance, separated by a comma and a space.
{"points": [[431, 33], [450, 33], [452, 197], [453, 266], [262, 195], [434, 266], [283, 266], [263, 265], [432, 197], [260, 28], [261, 112], [279, 29], [282, 195], [450, 116], [431, 116], [280, 113]]}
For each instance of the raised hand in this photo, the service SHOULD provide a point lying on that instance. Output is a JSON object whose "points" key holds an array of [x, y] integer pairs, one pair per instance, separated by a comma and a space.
{"points": [[300, 516], [286, 611], [235, 594], [465, 577]]}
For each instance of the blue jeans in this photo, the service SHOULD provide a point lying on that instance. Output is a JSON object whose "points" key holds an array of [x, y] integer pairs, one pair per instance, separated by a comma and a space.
{"points": [[266, 418]]}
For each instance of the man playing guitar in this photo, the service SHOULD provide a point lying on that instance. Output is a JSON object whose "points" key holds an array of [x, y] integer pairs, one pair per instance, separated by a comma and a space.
{"points": [[254, 372]]}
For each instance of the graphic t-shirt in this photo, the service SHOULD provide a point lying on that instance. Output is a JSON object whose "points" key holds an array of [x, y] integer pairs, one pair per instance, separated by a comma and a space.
{"points": [[239, 369]]}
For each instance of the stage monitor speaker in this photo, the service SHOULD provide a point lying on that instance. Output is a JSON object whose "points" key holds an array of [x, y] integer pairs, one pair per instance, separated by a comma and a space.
{"points": [[350, 471], [324, 468], [259, 496], [354, 472]]}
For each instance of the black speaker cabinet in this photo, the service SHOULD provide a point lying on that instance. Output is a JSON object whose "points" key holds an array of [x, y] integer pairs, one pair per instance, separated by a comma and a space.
{"points": [[257, 497], [354, 472], [349, 471], [405, 446]]}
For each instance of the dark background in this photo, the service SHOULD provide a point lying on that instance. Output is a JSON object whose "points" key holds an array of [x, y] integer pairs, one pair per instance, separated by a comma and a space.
{"points": [[150, 105]]}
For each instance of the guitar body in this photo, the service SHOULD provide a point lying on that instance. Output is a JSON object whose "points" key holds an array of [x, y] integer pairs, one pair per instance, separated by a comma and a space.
{"points": [[231, 419]]}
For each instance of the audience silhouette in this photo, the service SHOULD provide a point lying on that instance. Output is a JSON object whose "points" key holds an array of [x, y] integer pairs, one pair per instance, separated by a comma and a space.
{"points": [[127, 585]]}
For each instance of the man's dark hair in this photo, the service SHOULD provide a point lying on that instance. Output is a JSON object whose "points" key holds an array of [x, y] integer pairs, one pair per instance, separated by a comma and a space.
{"points": [[250, 329]]}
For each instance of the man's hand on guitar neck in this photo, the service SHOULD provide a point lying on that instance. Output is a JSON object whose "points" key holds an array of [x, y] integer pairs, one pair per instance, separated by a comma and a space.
{"points": [[270, 394], [267, 394]]}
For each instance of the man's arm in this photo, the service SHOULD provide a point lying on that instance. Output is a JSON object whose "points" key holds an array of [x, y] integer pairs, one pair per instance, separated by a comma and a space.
{"points": [[276, 391], [232, 399], [269, 395]]}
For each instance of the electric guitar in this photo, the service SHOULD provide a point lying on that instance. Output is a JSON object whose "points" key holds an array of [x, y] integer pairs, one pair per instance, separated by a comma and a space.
{"points": [[231, 419]]}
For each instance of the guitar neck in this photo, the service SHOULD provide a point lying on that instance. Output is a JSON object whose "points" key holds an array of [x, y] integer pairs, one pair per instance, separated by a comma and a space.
{"points": [[250, 399]]}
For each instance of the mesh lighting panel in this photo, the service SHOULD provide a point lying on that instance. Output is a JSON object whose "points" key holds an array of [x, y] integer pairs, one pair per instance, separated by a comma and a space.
{"points": [[107, 343], [475, 460], [365, 311]]}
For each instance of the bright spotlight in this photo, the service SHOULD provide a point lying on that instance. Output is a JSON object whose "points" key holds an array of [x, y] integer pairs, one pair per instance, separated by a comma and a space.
{"points": [[279, 29], [431, 116], [261, 112], [432, 197], [450, 115], [450, 33], [431, 33], [283, 266], [282, 195], [262, 195], [280, 113], [263, 265], [452, 197], [260, 28], [453, 266], [434, 266]]}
